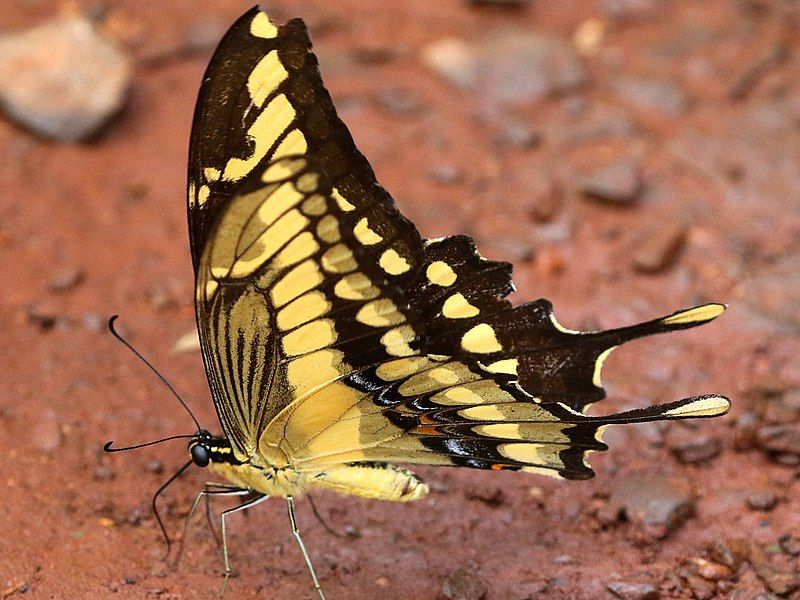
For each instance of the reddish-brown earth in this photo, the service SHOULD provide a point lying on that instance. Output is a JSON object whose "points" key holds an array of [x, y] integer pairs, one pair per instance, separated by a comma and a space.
{"points": [[88, 230]]}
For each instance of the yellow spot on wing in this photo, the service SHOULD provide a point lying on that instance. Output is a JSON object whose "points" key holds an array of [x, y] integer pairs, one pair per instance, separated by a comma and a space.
{"points": [[328, 229], [293, 143], [488, 412], [299, 280], [393, 263], [356, 286], [343, 204], [265, 78], [699, 314], [508, 366], [458, 307], [315, 205], [397, 341], [269, 242], [264, 131], [527, 453], [400, 369], [440, 273], [709, 406], [303, 309], [300, 248], [380, 313], [339, 259], [312, 371], [311, 336], [203, 194], [211, 174], [364, 234], [283, 169], [481, 339], [262, 27]]}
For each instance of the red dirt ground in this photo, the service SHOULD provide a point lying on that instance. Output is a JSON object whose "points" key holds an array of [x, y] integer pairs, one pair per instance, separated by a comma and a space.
{"points": [[76, 524]]}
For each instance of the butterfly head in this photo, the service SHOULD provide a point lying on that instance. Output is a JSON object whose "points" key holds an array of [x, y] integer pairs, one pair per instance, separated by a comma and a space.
{"points": [[204, 449]]}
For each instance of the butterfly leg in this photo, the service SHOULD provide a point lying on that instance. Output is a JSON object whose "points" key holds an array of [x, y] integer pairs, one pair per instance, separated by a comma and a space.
{"points": [[296, 533], [246, 504], [211, 489]]}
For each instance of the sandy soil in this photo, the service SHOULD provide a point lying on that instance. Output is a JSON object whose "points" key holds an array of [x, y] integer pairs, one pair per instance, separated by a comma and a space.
{"points": [[88, 230]]}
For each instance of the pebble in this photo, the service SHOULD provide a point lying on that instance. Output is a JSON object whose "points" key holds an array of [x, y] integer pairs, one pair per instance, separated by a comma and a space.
{"points": [[547, 203], [780, 439], [660, 249], [62, 79], [711, 571], [729, 552], [465, 584], [491, 496], [633, 591], [651, 95], [618, 183], [103, 474], [790, 544], [399, 101], [512, 67], [521, 67], [656, 500], [154, 466], [512, 132], [454, 60], [777, 581], [45, 435], [66, 279], [446, 173], [763, 501], [131, 580], [695, 450]]}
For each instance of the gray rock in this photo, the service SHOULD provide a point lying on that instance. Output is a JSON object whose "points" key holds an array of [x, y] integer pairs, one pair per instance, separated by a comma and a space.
{"points": [[780, 439], [633, 591], [61, 79], [465, 584], [659, 250], [512, 67], [692, 449], [657, 501], [617, 183], [763, 501], [654, 95]]}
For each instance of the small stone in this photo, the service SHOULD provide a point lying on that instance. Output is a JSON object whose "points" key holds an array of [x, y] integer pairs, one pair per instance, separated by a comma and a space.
{"points": [[131, 580], [658, 501], [43, 318], [629, 10], [446, 173], [399, 101], [695, 450], [454, 60], [711, 571], [154, 466], [617, 183], [135, 517], [465, 584], [66, 280], [563, 559], [660, 249], [188, 342], [547, 203], [780, 439], [93, 322], [45, 435], [790, 544], [62, 79], [777, 581], [651, 95], [489, 496], [744, 431], [633, 591], [763, 501], [702, 589], [729, 552], [103, 474], [516, 133]]}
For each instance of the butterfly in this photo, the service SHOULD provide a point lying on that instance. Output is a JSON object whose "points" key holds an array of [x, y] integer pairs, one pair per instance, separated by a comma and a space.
{"points": [[338, 343]]}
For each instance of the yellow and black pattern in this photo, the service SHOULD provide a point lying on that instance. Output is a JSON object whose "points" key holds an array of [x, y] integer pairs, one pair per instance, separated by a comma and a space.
{"points": [[334, 336]]}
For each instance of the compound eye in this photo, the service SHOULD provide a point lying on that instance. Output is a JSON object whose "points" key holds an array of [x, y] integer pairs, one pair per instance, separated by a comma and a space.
{"points": [[200, 455]]}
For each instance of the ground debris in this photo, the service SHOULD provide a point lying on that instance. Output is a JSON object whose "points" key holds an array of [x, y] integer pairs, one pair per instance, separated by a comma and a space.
{"points": [[633, 591], [693, 449], [62, 79], [659, 249], [659, 502], [763, 501], [465, 583], [618, 183], [652, 95]]}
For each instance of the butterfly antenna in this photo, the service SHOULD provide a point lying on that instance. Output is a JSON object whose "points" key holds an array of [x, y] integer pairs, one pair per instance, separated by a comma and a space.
{"points": [[107, 446], [127, 344]]}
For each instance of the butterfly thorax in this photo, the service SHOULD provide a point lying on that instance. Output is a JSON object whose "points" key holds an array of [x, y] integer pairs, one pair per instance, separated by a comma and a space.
{"points": [[217, 454]]}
